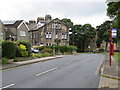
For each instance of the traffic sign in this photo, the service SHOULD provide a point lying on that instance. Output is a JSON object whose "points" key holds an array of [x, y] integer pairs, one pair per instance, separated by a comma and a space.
{"points": [[114, 33]]}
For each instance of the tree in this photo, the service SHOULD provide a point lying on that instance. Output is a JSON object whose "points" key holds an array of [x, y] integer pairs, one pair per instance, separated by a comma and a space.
{"points": [[68, 22], [113, 11], [103, 32], [87, 32], [79, 33]]}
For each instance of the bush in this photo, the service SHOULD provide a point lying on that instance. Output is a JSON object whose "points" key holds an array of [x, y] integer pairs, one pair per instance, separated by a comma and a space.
{"points": [[62, 49], [15, 59], [37, 47], [45, 54], [27, 44], [5, 61], [8, 49], [21, 51], [49, 50]]}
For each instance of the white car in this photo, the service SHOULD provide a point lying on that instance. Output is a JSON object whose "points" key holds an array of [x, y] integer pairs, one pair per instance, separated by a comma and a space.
{"points": [[34, 50]]}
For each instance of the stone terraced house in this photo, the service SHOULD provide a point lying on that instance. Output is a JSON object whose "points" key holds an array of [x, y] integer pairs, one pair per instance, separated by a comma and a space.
{"points": [[46, 32]]}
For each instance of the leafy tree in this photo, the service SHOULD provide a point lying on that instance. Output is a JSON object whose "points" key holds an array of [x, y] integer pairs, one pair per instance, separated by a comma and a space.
{"points": [[113, 11], [87, 32], [79, 33], [68, 22], [103, 32]]}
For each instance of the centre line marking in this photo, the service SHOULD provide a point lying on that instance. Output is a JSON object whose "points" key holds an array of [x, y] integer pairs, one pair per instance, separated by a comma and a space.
{"points": [[46, 71], [7, 86]]}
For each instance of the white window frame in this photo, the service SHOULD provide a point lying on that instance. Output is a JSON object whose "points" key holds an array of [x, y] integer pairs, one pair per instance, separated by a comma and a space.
{"points": [[48, 35], [22, 33], [64, 35]]}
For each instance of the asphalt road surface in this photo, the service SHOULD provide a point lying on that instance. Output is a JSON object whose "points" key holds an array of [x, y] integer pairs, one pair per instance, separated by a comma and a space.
{"points": [[71, 71]]}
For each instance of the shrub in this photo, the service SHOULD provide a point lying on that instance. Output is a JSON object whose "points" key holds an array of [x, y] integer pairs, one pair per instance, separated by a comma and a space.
{"points": [[49, 50], [36, 55], [22, 47], [27, 44], [37, 47], [21, 51], [45, 54], [5, 61], [15, 59], [8, 49], [24, 53]]}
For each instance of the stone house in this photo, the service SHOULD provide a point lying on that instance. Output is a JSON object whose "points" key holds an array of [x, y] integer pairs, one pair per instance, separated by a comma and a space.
{"points": [[16, 30], [48, 32], [2, 32]]}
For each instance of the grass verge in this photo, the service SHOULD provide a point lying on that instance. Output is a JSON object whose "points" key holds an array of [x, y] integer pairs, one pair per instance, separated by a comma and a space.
{"points": [[117, 56]]}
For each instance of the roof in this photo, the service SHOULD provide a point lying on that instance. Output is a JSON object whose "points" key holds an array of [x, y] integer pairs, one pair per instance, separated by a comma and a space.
{"points": [[12, 24], [36, 28]]}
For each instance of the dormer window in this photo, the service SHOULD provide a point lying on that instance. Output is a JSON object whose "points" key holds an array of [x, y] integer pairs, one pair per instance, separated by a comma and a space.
{"points": [[56, 26]]}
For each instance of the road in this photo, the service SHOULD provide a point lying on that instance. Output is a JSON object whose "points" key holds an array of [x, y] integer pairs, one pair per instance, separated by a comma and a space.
{"points": [[71, 71]]}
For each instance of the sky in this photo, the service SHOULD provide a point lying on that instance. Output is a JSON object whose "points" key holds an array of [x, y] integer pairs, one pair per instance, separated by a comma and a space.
{"points": [[79, 11]]}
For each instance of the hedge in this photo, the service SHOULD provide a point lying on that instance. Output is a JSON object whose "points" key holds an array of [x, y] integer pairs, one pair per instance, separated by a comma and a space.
{"points": [[8, 49], [61, 49]]}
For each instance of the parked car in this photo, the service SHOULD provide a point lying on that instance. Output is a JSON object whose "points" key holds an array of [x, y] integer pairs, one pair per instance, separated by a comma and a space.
{"points": [[35, 50]]}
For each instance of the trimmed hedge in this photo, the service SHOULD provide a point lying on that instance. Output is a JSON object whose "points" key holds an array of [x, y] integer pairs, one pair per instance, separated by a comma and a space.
{"points": [[63, 49], [8, 49]]}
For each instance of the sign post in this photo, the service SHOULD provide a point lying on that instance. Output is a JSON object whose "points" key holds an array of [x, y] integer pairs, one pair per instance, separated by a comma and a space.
{"points": [[113, 34]]}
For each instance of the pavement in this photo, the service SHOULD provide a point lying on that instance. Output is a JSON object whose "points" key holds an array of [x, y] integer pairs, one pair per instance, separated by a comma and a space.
{"points": [[110, 75], [21, 63]]}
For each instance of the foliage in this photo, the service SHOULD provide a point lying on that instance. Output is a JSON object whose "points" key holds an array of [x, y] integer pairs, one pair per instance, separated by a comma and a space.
{"points": [[27, 44], [49, 50], [37, 47], [8, 49], [46, 54], [82, 33], [23, 47], [21, 51], [103, 32], [36, 55], [64, 48], [15, 59], [68, 22], [113, 11], [5, 60]]}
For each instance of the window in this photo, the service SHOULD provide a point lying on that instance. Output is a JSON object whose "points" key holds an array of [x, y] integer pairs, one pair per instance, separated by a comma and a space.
{"points": [[56, 26], [1, 35], [22, 33], [34, 35], [64, 35], [49, 35], [56, 35], [49, 44]]}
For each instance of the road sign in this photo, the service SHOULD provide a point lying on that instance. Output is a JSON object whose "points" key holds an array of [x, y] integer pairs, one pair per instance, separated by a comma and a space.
{"points": [[114, 33]]}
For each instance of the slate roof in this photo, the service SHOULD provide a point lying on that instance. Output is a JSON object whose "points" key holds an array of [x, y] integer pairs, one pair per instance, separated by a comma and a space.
{"points": [[15, 25]]}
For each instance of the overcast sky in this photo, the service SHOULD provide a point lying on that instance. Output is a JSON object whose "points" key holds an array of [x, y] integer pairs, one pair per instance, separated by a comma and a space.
{"points": [[79, 11]]}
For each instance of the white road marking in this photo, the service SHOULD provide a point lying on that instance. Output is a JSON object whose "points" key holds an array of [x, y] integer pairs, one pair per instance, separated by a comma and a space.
{"points": [[46, 71], [7, 86]]}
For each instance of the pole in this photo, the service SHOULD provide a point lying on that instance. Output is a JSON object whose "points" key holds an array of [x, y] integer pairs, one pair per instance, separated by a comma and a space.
{"points": [[110, 46]]}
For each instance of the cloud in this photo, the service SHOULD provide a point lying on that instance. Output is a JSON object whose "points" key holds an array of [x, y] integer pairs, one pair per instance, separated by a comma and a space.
{"points": [[73, 9]]}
